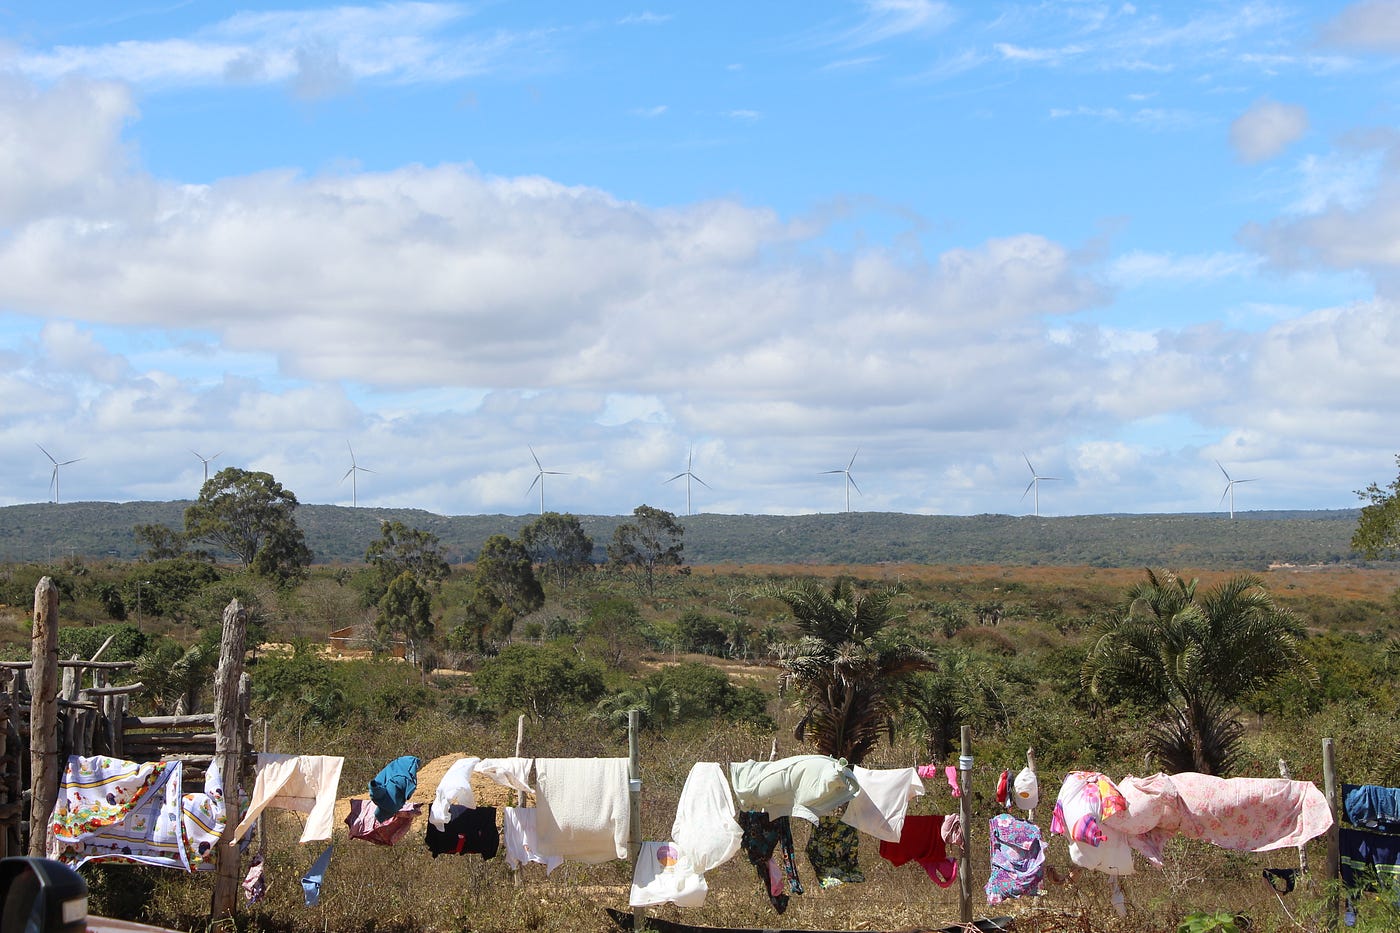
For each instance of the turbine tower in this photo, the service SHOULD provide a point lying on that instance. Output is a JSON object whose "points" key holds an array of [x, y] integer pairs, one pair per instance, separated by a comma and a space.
{"points": [[1034, 484], [1230, 488], [540, 474], [206, 461], [53, 478], [850, 481], [689, 460], [355, 468]]}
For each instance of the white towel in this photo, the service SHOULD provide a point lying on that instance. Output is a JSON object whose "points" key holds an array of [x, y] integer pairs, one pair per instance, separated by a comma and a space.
{"points": [[663, 874], [522, 839], [706, 828], [883, 801], [583, 808], [511, 772]]}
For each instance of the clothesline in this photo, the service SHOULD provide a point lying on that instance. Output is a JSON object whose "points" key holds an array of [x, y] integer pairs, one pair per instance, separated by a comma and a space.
{"points": [[1104, 822]]}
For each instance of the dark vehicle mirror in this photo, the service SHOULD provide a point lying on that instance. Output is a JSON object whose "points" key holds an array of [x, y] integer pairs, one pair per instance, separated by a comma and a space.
{"points": [[39, 895]]}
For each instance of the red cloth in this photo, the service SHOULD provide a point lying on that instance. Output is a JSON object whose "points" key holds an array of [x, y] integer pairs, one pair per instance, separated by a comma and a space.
{"points": [[363, 825], [1001, 787], [922, 842]]}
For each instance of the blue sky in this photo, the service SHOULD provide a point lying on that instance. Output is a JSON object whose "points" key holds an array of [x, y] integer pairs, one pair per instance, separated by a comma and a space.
{"points": [[1121, 240]]}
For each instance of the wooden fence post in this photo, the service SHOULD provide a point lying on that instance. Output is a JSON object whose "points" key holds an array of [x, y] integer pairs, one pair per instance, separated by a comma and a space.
{"points": [[228, 752], [1332, 869], [43, 715], [634, 789], [965, 815]]}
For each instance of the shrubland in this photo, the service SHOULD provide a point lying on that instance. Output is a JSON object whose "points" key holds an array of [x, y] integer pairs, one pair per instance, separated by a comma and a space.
{"points": [[701, 651]]}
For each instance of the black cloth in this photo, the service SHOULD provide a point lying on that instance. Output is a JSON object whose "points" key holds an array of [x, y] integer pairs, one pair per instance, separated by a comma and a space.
{"points": [[776, 872], [468, 831]]}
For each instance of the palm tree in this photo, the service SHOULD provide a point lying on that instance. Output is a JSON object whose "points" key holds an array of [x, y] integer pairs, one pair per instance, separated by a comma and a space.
{"points": [[956, 690], [1194, 655], [847, 675]]}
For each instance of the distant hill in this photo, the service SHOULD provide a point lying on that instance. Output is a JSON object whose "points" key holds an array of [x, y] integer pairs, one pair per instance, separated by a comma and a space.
{"points": [[340, 535]]}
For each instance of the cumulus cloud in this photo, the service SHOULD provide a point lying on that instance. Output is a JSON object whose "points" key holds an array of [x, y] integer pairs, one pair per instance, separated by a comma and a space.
{"points": [[1266, 129], [1371, 25]]}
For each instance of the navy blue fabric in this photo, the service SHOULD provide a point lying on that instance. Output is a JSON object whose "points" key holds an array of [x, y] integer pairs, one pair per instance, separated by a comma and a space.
{"points": [[1371, 807], [391, 788]]}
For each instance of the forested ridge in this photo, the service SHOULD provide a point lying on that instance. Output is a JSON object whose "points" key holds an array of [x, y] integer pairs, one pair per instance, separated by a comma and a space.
{"points": [[336, 534]]}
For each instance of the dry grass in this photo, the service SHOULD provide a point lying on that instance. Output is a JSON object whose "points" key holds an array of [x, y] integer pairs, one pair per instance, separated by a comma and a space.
{"points": [[404, 890]]}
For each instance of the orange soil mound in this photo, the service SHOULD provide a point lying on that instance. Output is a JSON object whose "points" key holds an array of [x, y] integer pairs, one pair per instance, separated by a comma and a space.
{"points": [[430, 774]]}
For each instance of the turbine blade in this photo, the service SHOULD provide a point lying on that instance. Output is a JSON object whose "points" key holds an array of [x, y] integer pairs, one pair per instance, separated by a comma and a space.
{"points": [[1049, 477], [674, 478], [1246, 480], [533, 482], [347, 474], [1028, 462], [1225, 493], [853, 483], [853, 459], [75, 460], [47, 454], [824, 472], [1222, 470], [536, 459], [366, 470], [700, 481], [1028, 489]]}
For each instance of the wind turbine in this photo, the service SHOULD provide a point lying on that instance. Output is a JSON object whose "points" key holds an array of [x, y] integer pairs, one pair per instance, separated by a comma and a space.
{"points": [[690, 458], [53, 479], [206, 461], [1230, 488], [1034, 484], [355, 468], [850, 481], [539, 478]]}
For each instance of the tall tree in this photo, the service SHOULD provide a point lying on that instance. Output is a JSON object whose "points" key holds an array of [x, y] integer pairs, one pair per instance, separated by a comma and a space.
{"points": [[161, 541], [504, 588], [1378, 530], [955, 691], [1193, 655], [557, 543], [400, 549], [848, 675], [651, 541], [406, 609], [252, 516]]}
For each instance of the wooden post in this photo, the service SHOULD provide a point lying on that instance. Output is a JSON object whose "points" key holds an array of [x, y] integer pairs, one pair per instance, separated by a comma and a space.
{"points": [[1284, 773], [1030, 763], [517, 873], [43, 715], [1332, 870], [634, 821], [228, 736], [965, 814]]}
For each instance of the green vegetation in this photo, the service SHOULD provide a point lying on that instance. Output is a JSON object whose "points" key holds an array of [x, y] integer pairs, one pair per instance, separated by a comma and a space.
{"points": [[250, 515], [882, 664]]}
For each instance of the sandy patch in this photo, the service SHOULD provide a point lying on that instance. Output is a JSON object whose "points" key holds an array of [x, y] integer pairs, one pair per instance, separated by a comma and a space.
{"points": [[430, 774]]}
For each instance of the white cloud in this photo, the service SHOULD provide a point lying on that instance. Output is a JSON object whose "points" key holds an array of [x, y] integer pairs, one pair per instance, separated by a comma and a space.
{"points": [[645, 18], [314, 51], [649, 112], [748, 116], [1138, 268], [1266, 129], [892, 19], [1371, 25]]}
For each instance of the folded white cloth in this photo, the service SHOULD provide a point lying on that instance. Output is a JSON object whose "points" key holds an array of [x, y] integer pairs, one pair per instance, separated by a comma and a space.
{"points": [[512, 772], [883, 801], [664, 874], [522, 839], [706, 828], [583, 808], [304, 783]]}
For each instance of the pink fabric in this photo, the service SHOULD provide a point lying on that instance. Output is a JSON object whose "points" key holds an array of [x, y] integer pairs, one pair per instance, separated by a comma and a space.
{"points": [[1244, 814], [930, 771], [952, 830], [363, 825]]}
